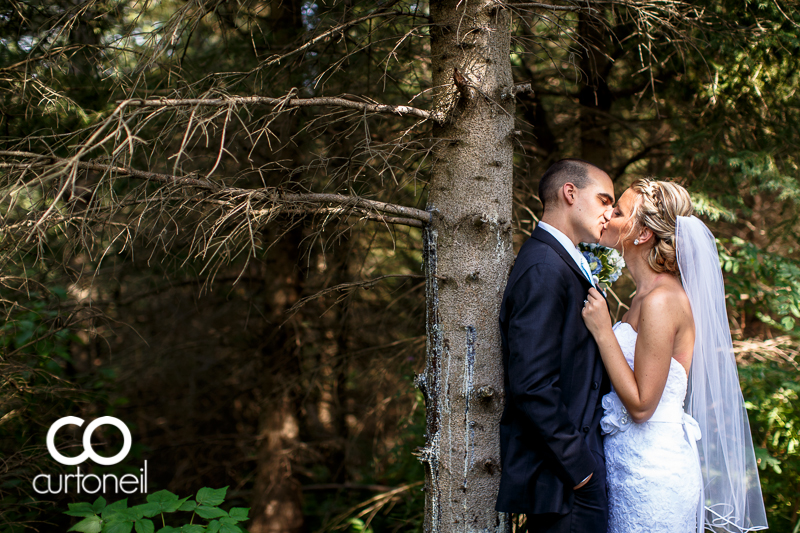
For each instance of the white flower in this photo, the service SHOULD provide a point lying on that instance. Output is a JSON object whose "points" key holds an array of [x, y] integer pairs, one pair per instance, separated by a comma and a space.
{"points": [[616, 417]]}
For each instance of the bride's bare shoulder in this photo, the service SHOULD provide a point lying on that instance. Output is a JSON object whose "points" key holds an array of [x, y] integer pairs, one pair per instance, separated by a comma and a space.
{"points": [[668, 300]]}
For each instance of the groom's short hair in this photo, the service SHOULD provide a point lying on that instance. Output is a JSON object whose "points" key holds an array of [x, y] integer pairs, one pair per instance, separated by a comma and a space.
{"points": [[575, 171]]}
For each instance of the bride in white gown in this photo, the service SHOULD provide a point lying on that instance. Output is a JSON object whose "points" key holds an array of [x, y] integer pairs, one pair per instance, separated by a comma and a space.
{"points": [[668, 469]]}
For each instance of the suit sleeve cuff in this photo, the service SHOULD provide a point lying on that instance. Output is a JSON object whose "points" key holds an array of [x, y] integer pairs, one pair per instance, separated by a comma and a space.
{"points": [[581, 468]]}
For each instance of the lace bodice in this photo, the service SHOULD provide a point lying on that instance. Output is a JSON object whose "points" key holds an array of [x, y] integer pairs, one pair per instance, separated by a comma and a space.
{"points": [[670, 407], [653, 473]]}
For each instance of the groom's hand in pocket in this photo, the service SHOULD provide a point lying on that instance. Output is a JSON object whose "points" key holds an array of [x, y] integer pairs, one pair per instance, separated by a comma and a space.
{"points": [[584, 482]]}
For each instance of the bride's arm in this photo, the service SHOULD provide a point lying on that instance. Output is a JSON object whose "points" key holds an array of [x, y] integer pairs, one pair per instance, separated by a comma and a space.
{"points": [[639, 391]]}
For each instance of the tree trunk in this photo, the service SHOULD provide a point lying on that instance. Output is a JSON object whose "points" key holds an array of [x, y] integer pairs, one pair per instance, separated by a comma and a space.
{"points": [[277, 493], [468, 253]]}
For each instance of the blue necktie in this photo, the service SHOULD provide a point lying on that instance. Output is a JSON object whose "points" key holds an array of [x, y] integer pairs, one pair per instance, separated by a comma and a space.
{"points": [[585, 268]]}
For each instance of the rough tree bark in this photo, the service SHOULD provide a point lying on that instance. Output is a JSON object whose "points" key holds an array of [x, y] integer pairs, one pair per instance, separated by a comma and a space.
{"points": [[468, 253], [277, 504]]}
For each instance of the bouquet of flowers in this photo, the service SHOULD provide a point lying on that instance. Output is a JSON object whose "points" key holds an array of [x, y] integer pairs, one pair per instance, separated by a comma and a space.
{"points": [[605, 263]]}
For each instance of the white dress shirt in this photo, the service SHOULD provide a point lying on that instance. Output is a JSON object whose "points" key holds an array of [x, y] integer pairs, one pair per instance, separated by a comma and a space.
{"points": [[571, 249]]}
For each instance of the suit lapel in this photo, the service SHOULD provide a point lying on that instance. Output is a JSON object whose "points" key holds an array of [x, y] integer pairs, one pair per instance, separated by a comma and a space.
{"points": [[544, 236]]}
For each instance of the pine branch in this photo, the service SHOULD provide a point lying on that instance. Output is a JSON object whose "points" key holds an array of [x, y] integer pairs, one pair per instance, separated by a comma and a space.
{"points": [[548, 6], [282, 103], [380, 12], [288, 202], [367, 283]]}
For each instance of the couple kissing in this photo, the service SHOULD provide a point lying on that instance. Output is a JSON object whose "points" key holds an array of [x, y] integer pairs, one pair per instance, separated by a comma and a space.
{"points": [[629, 427]]}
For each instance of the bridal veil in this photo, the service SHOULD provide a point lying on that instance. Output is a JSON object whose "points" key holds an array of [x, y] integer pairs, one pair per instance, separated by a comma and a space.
{"points": [[731, 498]]}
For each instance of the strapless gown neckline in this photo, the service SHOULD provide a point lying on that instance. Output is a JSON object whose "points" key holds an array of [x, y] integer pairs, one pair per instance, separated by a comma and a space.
{"points": [[653, 471]]}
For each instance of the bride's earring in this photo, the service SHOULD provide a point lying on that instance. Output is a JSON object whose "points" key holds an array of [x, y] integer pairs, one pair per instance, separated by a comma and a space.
{"points": [[636, 242]]}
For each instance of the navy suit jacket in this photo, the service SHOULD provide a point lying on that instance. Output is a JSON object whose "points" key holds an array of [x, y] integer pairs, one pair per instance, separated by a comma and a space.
{"points": [[554, 379]]}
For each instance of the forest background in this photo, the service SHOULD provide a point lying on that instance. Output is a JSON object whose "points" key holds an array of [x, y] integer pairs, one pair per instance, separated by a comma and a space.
{"points": [[216, 223]]}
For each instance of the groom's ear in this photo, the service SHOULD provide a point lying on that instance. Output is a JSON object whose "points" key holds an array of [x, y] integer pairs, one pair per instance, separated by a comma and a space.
{"points": [[568, 192]]}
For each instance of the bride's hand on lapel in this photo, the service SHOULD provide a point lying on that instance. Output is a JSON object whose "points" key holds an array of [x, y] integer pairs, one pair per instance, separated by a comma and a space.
{"points": [[595, 313]]}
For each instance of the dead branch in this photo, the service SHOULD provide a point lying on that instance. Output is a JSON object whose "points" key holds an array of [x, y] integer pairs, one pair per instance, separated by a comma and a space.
{"points": [[351, 486], [548, 6], [463, 84], [381, 12], [369, 508], [791, 20], [283, 102], [512, 91], [782, 350], [287, 202], [349, 286], [123, 171], [347, 212], [355, 201]]}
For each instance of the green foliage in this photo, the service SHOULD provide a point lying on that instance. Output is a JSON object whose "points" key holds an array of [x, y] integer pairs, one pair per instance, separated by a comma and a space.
{"points": [[40, 377], [117, 517], [771, 391], [710, 208], [31, 327], [762, 284]]}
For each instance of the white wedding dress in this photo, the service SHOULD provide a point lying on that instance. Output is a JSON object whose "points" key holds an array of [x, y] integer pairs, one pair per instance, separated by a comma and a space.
{"points": [[653, 471]]}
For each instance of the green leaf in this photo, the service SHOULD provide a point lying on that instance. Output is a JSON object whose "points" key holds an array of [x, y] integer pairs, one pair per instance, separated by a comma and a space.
{"points": [[168, 529], [193, 528], [91, 524], [240, 513], [99, 504], [144, 526], [211, 497], [213, 526], [116, 506], [227, 525], [149, 509], [764, 460], [166, 501], [118, 527], [189, 505], [210, 512], [134, 513], [162, 496], [80, 509]]}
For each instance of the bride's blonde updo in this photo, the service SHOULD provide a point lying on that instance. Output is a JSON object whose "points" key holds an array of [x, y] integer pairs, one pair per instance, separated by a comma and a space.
{"points": [[658, 208]]}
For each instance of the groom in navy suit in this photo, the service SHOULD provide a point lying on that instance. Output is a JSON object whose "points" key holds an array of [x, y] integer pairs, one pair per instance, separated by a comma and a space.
{"points": [[553, 466]]}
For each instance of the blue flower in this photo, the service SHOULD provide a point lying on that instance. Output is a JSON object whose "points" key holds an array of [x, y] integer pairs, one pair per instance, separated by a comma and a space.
{"points": [[594, 262], [605, 263]]}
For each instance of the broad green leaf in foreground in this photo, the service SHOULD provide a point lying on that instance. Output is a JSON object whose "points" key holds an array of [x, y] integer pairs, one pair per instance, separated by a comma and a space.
{"points": [[91, 524], [144, 526], [188, 505], [210, 512], [166, 501], [211, 497], [99, 504], [239, 513], [80, 509], [119, 527]]}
